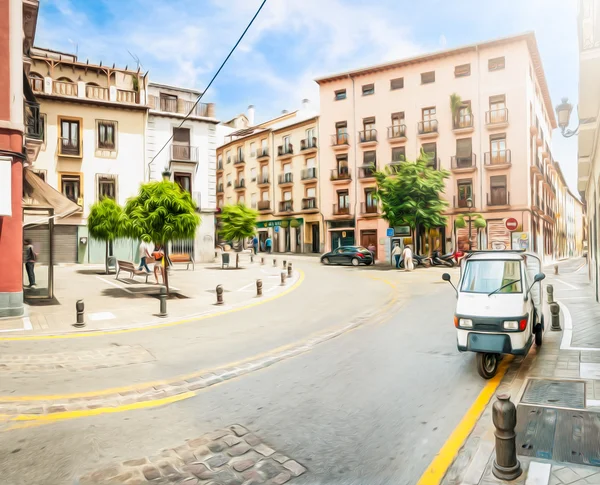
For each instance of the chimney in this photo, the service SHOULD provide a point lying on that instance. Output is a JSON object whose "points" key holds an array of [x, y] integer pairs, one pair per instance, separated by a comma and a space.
{"points": [[251, 115], [305, 104], [284, 111]]}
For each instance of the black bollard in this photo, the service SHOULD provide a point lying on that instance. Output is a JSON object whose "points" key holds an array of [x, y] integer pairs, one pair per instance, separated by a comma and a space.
{"points": [[79, 308], [550, 291], [274, 262], [262, 260], [504, 416], [251, 257], [283, 278], [289, 270], [258, 287], [555, 311], [219, 294], [284, 264], [556, 269], [162, 297]]}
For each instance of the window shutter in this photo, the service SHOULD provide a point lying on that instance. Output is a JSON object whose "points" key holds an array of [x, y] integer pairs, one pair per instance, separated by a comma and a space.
{"points": [[397, 83], [464, 147]]}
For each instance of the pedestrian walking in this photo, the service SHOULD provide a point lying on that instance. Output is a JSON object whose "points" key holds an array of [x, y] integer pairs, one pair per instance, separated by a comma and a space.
{"points": [[255, 244], [396, 253], [371, 247], [146, 250], [30, 259], [158, 256], [269, 244], [407, 257]]}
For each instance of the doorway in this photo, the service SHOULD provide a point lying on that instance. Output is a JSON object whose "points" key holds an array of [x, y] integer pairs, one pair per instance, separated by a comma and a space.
{"points": [[262, 240], [342, 238], [315, 238], [369, 238]]}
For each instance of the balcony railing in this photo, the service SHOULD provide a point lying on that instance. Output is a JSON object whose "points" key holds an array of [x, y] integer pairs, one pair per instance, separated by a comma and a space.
{"points": [[126, 96], [37, 84], [367, 136], [342, 173], [468, 161], [33, 123], [501, 157], [201, 109], [462, 203], [64, 88], [262, 152], [264, 205], [240, 184], [341, 210], [220, 189], [286, 206], [184, 153], [426, 127], [498, 199], [309, 173], [340, 139], [96, 92], [286, 178], [463, 121], [263, 179], [496, 116], [369, 208], [168, 105], [239, 159], [366, 172], [396, 131], [283, 150], [309, 203], [308, 143]]}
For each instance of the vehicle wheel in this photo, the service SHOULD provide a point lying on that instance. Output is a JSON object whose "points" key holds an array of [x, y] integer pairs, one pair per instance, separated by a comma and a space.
{"points": [[325, 260], [487, 365], [355, 262], [450, 264], [539, 333]]}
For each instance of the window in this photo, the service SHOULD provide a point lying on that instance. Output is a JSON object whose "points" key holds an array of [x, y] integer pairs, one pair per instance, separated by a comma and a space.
{"points": [[311, 192], [399, 154], [311, 139], [341, 132], [464, 117], [168, 102], [430, 150], [397, 129], [498, 149], [264, 148], [464, 153], [70, 186], [370, 202], [241, 199], [43, 128], [107, 187], [429, 123], [465, 192], [498, 190], [462, 71], [287, 195], [496, 63], [369, 158], [264, 195], [397, 83], [181, 144], [240, 153], [369, 133], [107, 135], [184, 180], [70, 139], [368, 89], [343, 199], [340, 94], [498, 112], [252, 149], [228, 156], [253, 174], [488, 275], [286, 144], [342, 164], [253, 201], [428, 77], [310, 163]]}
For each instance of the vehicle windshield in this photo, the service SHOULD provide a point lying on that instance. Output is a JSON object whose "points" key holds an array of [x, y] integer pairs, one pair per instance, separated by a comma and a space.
{"points": [[486, 276]]}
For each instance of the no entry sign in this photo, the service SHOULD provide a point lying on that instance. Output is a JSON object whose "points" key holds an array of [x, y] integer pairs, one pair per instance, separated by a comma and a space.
{"points": [[511, 224]]}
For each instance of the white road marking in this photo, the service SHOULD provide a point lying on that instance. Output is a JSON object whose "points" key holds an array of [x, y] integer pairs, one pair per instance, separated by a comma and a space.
{"points": [[566, 284], [244, 287], [565, 343], [589, 371], [27, 324], [112, 283], [577, 298], [101, 316]]}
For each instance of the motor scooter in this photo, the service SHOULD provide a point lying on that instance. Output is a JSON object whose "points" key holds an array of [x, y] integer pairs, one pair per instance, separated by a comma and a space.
{"points": [[418, 260], [439, 260]]}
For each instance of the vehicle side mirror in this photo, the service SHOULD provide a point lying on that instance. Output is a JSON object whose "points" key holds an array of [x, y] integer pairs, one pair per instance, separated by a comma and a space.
{"points": [[446, 277], [539, 277]]}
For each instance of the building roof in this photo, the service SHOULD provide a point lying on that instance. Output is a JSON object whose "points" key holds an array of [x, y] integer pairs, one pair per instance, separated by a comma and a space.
{"points": [[529, 37], [175, 88], [301, 117]]}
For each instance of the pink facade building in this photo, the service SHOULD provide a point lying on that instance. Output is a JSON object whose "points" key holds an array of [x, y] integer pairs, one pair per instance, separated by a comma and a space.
{"points": [[496, 144]]}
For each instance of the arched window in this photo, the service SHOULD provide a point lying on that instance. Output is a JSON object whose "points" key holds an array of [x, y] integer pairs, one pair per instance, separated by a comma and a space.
{"points": [[63, 85], [36, 81]]}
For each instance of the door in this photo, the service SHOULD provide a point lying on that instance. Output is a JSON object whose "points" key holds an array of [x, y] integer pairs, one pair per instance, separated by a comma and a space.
{"points": [[369, 238], [315, 238], [262, 239]]}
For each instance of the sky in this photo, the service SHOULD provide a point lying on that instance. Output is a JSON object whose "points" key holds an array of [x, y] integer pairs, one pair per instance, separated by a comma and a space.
{"points": [[183, 42]]}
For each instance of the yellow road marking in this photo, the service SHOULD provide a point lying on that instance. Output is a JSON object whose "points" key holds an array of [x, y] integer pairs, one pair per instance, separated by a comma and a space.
{"points": [[439, 466], [158, 325]]}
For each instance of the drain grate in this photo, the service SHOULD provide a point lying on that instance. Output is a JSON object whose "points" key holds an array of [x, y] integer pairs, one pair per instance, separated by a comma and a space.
{"points": [[546, 392]]}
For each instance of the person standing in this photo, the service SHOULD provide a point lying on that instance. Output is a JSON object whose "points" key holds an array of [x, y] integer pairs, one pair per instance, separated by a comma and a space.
{"points": [[30, 259], [268, 244], [255, 245], [396, 253], [408, 259], [158, 256], [145, 252]]}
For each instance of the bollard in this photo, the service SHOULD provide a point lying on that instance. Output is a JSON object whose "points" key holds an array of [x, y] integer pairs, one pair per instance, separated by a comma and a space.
{"points": [[262, 260], [289, 270], [219, 294], [284, 264], [556, 269], [79, 308], [504, 416], [162, 297], [550, 290], [283, 278], [251, 258], [555, 311], [274, 262], [258, 287]]}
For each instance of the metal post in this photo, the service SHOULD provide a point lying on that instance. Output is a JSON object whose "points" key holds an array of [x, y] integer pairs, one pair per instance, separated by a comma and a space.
{"points": [[289, 270], [258, 287], [262, 260], [251, 257], [219, 294], [79, 308], [284, 263], [283, 278], [550, 290], [163, 301], [555, 311], [470, 239], [556, 269], [274, 262], [504, 416]]}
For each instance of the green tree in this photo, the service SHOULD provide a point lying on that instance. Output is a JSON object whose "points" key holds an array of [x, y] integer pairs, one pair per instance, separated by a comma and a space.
{"points": [[105, 223], [160, 213], [462, 221], [238, 223], [411, 195]]}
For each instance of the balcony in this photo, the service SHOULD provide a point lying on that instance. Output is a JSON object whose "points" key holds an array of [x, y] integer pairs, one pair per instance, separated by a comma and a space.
{"points": [[69, 147], [286, 179], [341, 210], [184, 153], [285, 151], [369, 209], [500, 200], [427, 128], [240, 184], [180, 106], [537, 205], [220, 189], [286, 206], [366, 174], [308, 145], [496, 118], [463, 124], [340, 175], [340, 141], [263, 180], [127, 96], [64, 88], [264, 205], [309, 174], [33, 123], [462, 203], [394, 166], [396, 134], [368, 138], [239, 159], [220, 165], [262, 152], [463, 164], [97, 92], [497, 160], [37, 84], [309, 204], [537, 169]]}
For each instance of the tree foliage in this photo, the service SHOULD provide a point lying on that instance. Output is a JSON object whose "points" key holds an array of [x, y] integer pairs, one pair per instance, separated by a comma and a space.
{"points": [[238, 222], [105, 223], [477, 219]]}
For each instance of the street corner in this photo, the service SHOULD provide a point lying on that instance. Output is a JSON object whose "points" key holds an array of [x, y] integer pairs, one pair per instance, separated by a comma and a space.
{"points": [[228, 456]]}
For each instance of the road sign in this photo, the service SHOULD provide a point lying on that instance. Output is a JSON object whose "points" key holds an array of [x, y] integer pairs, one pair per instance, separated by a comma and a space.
{"points": [[511, 224], [276, 228], [389, 232]]}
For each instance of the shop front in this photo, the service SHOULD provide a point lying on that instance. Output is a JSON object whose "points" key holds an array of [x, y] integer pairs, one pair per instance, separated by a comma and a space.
{"points": [[286, 235]]}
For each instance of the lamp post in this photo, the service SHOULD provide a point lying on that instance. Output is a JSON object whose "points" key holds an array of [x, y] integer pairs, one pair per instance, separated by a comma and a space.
{"points": [[563, 113], [470, 207]]}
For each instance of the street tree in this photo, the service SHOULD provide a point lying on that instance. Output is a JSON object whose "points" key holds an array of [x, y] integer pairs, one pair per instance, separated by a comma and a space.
{"points": [[462, 221], [237, 223], [411, 195], [105, 223], [161, 212]]}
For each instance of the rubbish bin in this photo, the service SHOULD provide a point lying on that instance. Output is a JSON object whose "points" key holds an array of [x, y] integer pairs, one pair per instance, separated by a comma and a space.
{"points": [[224, 260], [112, 264]]}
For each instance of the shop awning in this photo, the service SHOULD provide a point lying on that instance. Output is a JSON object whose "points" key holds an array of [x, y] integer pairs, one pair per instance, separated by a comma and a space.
{"points": [[39, 194]]}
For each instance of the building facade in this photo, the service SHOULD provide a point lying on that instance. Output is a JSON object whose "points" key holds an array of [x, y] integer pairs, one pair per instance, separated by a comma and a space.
{"points": [[495, 144]]}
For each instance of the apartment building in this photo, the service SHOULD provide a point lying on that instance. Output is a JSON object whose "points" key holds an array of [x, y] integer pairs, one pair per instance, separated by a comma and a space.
{"points": [[189, 159], [496, 144], [273, 167]]}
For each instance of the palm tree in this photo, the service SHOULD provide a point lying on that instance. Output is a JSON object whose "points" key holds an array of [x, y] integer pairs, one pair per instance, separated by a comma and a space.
{"points": [[238, 223], [105, 223]]}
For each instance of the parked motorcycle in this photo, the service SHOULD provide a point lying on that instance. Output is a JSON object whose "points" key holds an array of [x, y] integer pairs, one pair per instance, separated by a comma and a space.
{"points": [[418, 260], [442, 260]]}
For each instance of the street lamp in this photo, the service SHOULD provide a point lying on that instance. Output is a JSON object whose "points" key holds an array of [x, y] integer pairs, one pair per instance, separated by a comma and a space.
{"points": [[563, 112], [470, 207]]}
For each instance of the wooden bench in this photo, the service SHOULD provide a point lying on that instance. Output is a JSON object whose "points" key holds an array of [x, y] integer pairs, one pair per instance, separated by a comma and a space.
{"points": [[131, 269], [183, 258]]}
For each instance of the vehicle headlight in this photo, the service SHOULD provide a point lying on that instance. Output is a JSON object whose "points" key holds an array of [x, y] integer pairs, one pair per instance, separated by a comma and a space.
{"points": [[511, 325], [465, 322]]}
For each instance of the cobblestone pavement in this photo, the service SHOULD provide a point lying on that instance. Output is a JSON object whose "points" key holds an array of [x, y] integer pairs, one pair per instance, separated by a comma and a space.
{"points": [[230, 456]]}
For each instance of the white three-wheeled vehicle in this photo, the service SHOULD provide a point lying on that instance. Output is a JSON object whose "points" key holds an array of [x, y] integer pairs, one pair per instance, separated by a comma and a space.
{"points": [[499, 306]]}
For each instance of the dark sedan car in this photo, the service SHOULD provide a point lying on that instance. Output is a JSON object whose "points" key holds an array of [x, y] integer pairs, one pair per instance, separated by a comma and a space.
{"points": [[353, 255]]}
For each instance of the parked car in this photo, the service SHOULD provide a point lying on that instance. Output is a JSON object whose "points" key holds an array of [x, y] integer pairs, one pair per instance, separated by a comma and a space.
{"points": [[353, 255]]}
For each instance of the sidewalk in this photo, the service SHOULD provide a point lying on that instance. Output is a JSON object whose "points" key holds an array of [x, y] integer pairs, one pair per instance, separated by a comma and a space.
{"points": [[557, 393]]}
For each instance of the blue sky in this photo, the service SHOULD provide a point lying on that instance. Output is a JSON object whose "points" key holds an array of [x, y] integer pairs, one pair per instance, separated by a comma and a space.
{"points": [[183, 42]]}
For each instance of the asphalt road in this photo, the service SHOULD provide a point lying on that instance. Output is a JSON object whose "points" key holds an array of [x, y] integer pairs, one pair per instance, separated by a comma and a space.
{"points": [[373, 405]]}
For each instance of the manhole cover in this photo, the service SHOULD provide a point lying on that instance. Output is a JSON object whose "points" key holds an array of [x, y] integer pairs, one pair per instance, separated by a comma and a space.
{"points": [[562, 394]]}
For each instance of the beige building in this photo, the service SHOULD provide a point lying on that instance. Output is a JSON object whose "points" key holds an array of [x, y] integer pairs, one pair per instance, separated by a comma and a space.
{"points": [[273, 167], [496, 145]]}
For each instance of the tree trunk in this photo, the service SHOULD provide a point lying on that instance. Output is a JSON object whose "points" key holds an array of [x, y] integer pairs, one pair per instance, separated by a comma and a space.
{"points": [[237, 260]]}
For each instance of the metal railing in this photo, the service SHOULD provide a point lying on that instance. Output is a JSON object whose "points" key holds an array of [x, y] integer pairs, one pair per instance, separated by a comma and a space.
{"points": [[184, 153], [342, 173], [33, 122], [239, 184], [368, 208], [469, 161], [308, 143], [286, 206], [283, 150], [366, 172], [239, 159], [462, 203], [493, 201], [168, 104], [367, 136], [340, 139], [264, 205], [309, 203], [462, 121], [96, 92], [496, 116], [262, 152], [341, 210], [501, 157], [263, 179], [396, 131], [309, 173], [64, 88], [286, 178], [429, 126]]}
